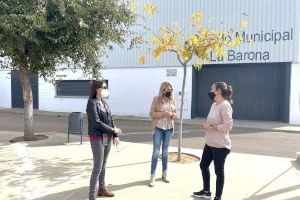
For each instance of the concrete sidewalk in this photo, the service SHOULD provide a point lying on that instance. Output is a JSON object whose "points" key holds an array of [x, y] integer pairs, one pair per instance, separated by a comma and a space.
{"points": [[54, 170], [272, 126]]}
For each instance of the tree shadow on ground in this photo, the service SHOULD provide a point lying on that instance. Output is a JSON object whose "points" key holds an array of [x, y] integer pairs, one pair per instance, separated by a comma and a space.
{"points": [[78, 194], [128, 185], [82, 192], [54, 171], [129, 164]]}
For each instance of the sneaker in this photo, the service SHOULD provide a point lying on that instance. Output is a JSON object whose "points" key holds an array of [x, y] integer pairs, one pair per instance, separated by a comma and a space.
{"points": [[202, 194], [217, 198]]}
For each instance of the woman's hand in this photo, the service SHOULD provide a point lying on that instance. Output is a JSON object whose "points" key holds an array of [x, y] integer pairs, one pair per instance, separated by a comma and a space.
{"points": [[168, 114], [205, 126], [118, 130], [116, 141]]}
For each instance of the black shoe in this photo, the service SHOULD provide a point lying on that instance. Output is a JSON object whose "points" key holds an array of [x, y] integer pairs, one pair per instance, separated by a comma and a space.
{"points": [[202, 194], [217, 198]]}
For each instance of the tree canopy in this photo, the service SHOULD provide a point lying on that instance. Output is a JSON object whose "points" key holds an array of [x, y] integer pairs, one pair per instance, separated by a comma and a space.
{"points": [[38, 35]]}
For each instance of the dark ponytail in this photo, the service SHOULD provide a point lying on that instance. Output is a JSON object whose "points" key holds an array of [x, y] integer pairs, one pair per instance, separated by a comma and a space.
{"points": [[228, 95], [226, 90]]}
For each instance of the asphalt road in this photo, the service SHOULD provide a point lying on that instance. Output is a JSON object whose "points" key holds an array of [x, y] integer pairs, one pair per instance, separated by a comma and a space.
{"points": [[244, 140]]}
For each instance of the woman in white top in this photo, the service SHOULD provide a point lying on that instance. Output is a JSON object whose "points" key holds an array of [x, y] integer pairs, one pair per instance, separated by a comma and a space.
{"points": [[218, 144], [163, 111]]}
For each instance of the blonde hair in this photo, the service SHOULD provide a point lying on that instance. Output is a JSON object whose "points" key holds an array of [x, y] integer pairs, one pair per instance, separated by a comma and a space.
{"points": [[163, 86]]}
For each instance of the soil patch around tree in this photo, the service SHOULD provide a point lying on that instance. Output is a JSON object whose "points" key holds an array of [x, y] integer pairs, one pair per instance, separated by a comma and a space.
{"points": [[36, 138], [185, 158]]}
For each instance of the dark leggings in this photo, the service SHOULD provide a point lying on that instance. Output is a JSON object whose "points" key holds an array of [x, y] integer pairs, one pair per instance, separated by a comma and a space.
{"points": [[218, 155]]}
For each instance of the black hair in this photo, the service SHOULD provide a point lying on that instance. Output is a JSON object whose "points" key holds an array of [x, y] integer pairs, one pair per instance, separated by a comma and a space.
{"points": [[96, 84]]}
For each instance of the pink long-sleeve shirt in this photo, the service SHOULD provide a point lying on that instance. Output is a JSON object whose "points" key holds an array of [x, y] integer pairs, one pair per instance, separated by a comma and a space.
{"points": [[220, 115]]}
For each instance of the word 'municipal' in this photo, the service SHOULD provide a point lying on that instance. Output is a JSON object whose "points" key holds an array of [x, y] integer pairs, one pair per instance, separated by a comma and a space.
{"points": [[272, 36]]}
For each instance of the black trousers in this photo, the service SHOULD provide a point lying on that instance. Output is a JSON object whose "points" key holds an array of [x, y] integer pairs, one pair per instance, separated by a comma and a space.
{"points": [[218, 155]]}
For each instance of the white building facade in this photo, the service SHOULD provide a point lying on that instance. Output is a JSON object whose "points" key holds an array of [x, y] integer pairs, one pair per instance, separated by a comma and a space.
{"points": [[265, 74]]}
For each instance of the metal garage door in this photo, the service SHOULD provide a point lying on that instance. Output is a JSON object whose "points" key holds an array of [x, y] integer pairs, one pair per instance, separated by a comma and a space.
{"points": [[261, 91]]}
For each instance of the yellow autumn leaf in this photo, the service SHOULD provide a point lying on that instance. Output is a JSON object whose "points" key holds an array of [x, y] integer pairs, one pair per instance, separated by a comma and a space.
{"points": [[156, 53], [155, 40], [215, 47], [150, 9], [185, 55], [141, 60], [202, 32], [193, 40], [139, 40], [244, 24], [220, 55], [133, 6], [236, 41], [197, 16], [198, 66]]}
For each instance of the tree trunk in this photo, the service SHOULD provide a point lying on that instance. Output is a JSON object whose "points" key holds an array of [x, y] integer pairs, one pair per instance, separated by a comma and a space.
{"points": [[181, 113], [28, 105]]}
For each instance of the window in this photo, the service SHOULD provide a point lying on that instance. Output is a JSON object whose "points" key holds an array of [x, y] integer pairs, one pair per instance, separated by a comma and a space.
{"points": [[73, 88]]}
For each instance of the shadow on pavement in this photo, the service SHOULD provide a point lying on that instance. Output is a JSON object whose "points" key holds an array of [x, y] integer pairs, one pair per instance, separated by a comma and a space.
{"points": [[82, 192], [78, 194], [128, 185], [294, 198], [130, 164], [273, 193], [54, 172], [296, 165]]}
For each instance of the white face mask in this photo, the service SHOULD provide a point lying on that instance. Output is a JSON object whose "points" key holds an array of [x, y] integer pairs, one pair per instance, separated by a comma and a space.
{"points": [[104, 93]]}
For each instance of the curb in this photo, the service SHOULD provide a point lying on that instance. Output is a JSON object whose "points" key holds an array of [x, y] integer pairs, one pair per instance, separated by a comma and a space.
{"points": [[146, 120]]}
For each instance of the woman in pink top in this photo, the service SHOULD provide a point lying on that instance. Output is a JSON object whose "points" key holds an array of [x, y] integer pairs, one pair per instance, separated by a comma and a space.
{"points": [[218, 144]]}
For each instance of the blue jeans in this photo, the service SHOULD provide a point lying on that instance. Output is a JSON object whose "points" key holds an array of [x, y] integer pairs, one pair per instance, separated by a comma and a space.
{"points": [[160, 138]]}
